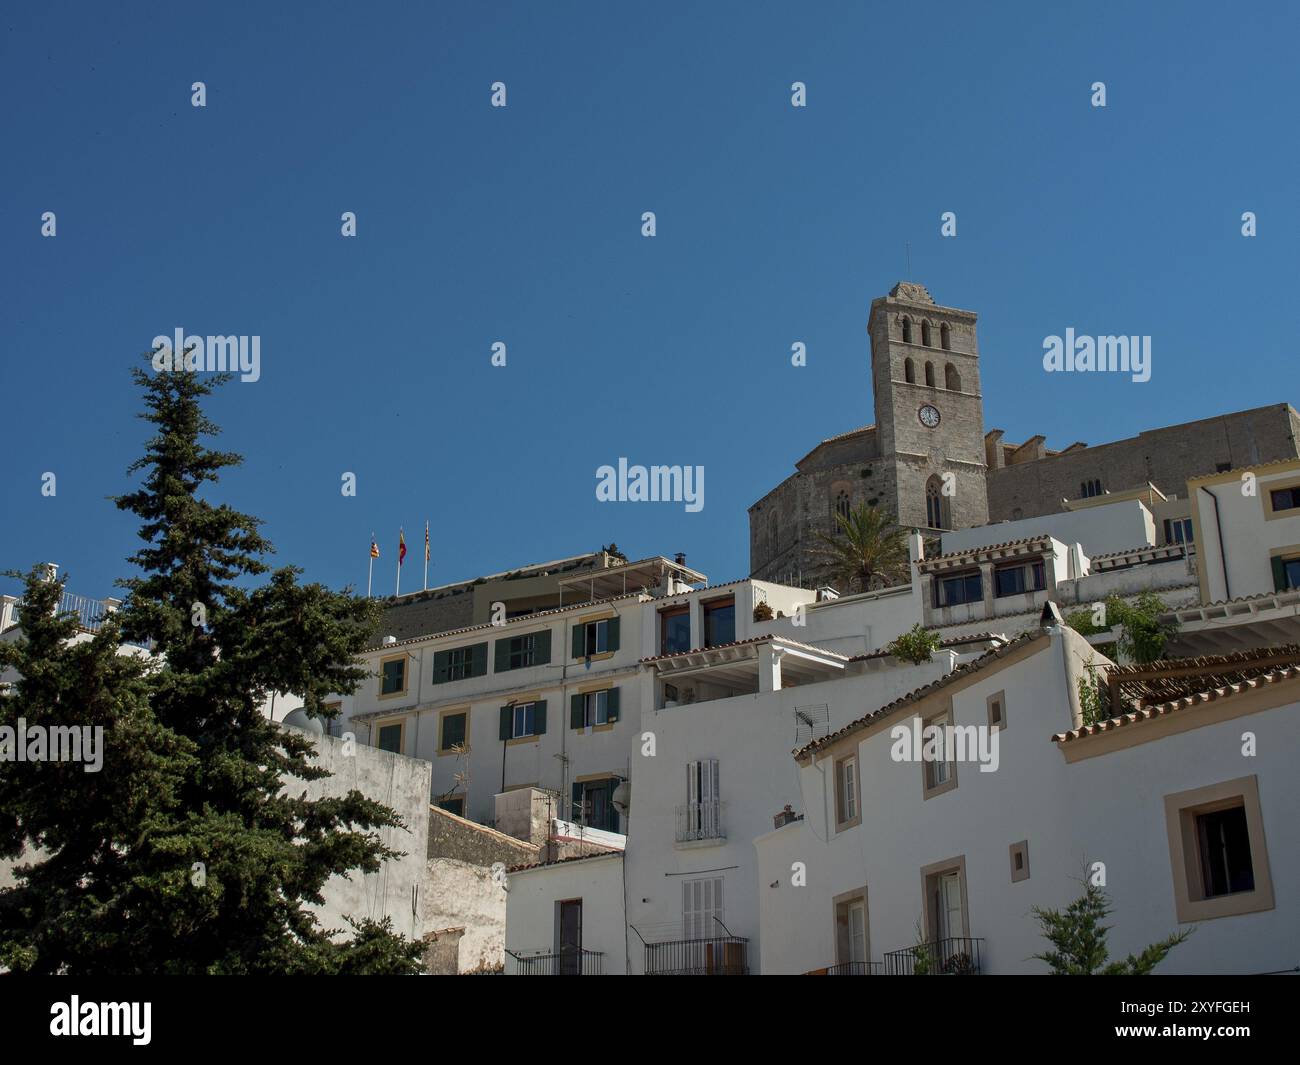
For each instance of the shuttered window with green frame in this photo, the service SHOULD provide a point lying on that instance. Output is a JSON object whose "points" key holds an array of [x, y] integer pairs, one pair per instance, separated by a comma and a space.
{"points": [[460, 663]]}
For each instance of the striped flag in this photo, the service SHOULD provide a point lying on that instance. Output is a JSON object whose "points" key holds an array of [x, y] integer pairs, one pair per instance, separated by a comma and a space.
{"points": [[374, 546], [401, 546]]}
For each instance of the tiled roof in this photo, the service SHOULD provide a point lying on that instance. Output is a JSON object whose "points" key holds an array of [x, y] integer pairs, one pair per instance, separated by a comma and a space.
{"points": [[974, 666], [1159, 683], [1186, 702], [565, 861], [753, 639], [953, 555]]}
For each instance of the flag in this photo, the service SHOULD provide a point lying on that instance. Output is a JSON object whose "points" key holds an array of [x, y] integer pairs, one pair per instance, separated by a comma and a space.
{"points": [[426, 541], [401, 547], [374, 546]]}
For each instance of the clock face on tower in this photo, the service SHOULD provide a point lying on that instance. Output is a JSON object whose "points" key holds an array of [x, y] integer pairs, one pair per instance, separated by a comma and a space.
{"points": [[929, 416]]}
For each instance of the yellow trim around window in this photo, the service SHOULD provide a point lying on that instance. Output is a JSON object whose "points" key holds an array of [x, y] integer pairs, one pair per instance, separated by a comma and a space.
{"points": [[385, 723], [406, 675], [451, 710]]}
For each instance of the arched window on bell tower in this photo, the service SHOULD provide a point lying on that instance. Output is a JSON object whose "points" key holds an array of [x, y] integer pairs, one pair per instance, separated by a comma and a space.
{"points": [[951, 378], [945, 337], [936, 506], [925, 333], [929, 374], [909, 371], [907, 330]]}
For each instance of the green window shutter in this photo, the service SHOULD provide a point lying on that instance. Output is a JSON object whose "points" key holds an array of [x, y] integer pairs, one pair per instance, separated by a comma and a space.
{"points": [[579, 641], [613, 704], [478, 664], [539, 718], [441, 666], [613, 634], [575, 711], [502, 656], [1279, 575], [507, 722], [542, 648]]}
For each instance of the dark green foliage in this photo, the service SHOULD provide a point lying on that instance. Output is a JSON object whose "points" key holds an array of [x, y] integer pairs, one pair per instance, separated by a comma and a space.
{"points": [[1078, 940]]}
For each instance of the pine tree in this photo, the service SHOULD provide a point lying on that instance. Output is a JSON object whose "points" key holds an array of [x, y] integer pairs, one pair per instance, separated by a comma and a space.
{"points": [[213, 872], [1079, 940]]}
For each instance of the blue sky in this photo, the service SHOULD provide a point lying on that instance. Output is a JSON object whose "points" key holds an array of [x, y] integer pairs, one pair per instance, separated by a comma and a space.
{"points": [[522, 225]]}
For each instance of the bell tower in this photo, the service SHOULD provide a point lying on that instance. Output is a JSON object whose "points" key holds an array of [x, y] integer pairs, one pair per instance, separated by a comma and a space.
{"points": [[929, 410]]}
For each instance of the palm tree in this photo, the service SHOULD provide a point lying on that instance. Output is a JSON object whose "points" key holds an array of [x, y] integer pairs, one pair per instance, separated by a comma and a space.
{"points": [[867, 550]]}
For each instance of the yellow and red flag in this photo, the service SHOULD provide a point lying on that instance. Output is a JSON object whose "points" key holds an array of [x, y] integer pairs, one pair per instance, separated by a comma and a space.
{"points": [[374, 546], [401, 547]]}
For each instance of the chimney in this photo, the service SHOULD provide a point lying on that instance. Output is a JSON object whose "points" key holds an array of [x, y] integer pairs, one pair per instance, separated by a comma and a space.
{"points": [[51, 570], [786, 817], [680, 558]]}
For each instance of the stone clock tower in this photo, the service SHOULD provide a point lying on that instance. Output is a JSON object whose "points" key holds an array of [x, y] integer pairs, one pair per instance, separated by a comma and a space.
{"points": [[929, 410]]}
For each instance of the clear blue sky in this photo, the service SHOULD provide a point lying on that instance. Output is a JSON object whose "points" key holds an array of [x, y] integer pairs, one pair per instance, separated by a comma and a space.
{"points": [[522, 225]]}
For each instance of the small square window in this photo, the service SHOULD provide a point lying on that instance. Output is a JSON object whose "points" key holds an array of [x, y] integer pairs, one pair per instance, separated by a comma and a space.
{"points": [[390, 737], [997, 707], [393, 676], [1020, 861]]}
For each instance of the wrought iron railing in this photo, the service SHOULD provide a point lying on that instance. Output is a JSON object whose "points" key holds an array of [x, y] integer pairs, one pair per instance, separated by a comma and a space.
{"points": [[718, 956], [953, 956], [561, 963], [700, 820], [857, 968]]}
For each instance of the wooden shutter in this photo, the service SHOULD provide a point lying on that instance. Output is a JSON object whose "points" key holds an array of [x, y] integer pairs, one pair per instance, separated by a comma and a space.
{"points": [[579, 641], [502, 657], [441, 666], [507, 722], [1279, 575], [612, 638], [542, 648], [575, 711], [478, 660], [539, 718], [612, 706]]}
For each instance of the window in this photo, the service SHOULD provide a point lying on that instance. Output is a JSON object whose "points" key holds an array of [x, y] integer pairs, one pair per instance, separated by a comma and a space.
{"points": [[851, 948], [1217, 851], [938, 766], [1286, 572], [929, 374], [523, 720], [460, 663], [454, 805], [843, 507], [1178, 530], [702, 815], [1020, 861], [593, 803], [960, 588], [935, 504], [925, 333], [1222, 467], [907, 330], [951, 378], [945, 336], [1020, 578], [909, 371], [945, 907], [592, 638], [453, 730], [1088, 489], [389, 736], [1285, 498], [568, 936], [997, 708], [519, 652], [675, 630], [702, 912], [392, 677], [592, 709], [719, 622], [846, 792]]}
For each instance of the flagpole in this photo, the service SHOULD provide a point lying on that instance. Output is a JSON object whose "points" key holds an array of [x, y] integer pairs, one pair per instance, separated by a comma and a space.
{"points": [[426, 554], [370, 577]]}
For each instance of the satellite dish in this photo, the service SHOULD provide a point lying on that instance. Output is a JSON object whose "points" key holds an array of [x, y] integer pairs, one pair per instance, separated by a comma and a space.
{"points": [[622, 798], [301, 719]]}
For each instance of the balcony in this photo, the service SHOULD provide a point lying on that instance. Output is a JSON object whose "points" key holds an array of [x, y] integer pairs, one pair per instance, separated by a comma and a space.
{"points": [[561, 963], [719, 956], [700, 821], [955, 956]]}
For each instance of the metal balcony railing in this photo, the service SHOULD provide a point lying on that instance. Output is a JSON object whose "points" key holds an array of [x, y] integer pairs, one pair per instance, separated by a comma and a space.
{"points": [[857, 968], [954, 956], [700, 820], [561, 963], [718, 956]]}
